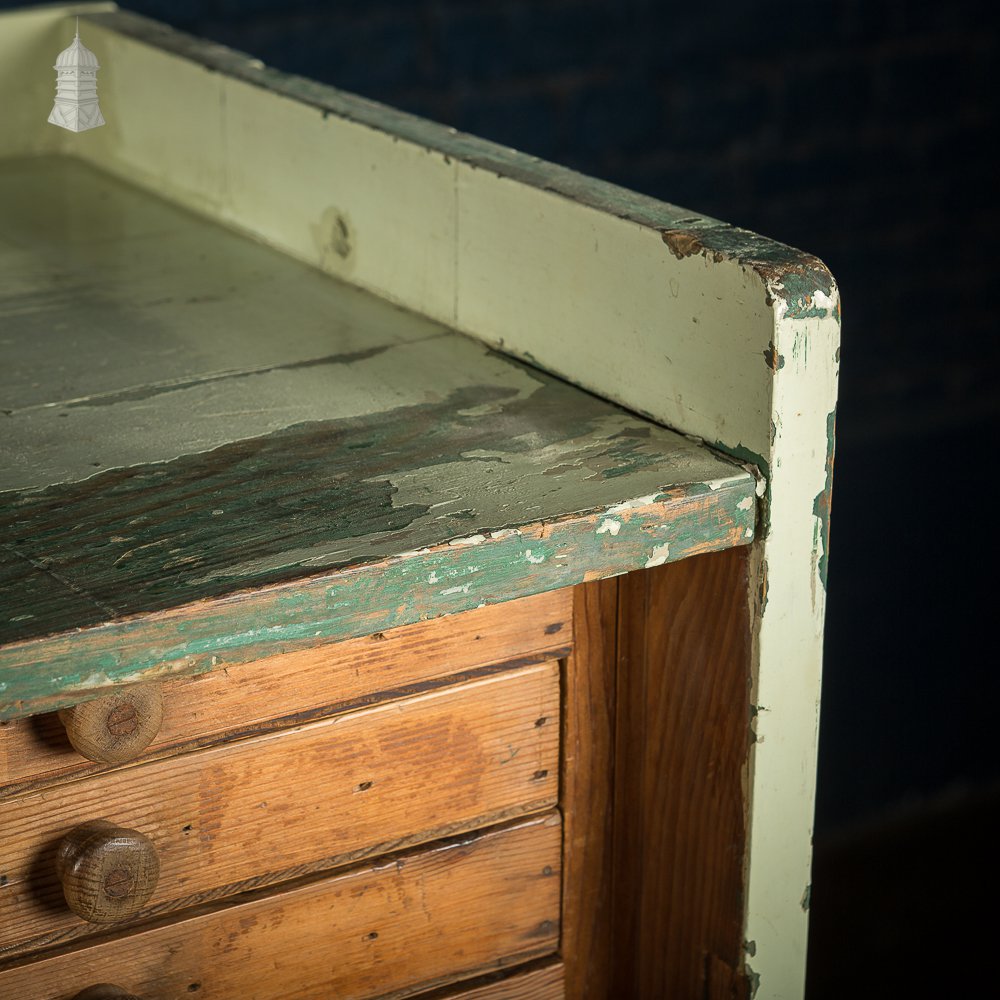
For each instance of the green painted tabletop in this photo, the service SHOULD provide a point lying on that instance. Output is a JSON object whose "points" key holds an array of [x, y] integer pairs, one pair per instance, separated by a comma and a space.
{"points": [[212, 451]]}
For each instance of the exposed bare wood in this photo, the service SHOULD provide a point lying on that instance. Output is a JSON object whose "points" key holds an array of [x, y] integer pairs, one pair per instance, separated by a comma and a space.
{"points": [[543, 982], [245, 699], [241, 815], [105, 991], [680, 782], [417, 920], [586, 795]]}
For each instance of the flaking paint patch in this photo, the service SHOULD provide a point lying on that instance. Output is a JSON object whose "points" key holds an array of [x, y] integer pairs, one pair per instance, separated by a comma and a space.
{"points": [[822, 503], [470, 540], [609, 526], [659, 555], [647, 501], [497, 536], [535, 559], [681, 243], [772, 358], [745, 504]]}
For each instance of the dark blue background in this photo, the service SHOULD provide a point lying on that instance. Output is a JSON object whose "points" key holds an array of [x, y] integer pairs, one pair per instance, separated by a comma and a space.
{"points": [[856, 130]]}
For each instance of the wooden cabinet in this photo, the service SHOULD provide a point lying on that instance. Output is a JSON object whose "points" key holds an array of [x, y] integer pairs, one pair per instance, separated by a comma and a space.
{"points": [[412, 556]]}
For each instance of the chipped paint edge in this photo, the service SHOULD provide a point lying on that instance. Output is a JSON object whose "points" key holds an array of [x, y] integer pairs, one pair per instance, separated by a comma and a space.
{"points": [[789, 607], [456, 575]]}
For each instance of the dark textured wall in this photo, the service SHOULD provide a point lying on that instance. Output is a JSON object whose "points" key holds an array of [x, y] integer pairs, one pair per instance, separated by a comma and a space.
{"points": [[857, 130]]}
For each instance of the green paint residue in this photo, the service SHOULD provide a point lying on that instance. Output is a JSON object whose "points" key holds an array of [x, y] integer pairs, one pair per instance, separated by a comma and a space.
{"points": [[740, 452], [821, 505], [443, 580], [798, 288]]}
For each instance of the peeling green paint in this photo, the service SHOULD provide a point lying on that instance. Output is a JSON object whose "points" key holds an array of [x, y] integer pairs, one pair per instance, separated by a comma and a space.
{"points": [[822, 503], [360, 600], [763, 469], [806, 292], [368, 469]]}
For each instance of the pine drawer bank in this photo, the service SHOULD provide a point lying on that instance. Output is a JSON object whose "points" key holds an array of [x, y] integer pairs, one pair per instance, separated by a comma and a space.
{"points": [[412, 554]]}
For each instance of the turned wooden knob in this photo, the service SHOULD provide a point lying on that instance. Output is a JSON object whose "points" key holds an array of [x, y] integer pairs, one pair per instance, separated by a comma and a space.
{"points": [[108, 873], [105, 991], [118, 727]]}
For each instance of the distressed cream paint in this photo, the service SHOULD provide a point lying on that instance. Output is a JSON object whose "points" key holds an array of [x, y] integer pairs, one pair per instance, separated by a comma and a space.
{"points": [[574, 275]]}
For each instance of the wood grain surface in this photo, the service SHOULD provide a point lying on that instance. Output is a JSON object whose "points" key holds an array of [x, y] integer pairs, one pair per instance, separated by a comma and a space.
{"points": [[416, 920], [241, 815], [241, 700], [105, 991], [543, 980], [587, 795], [683, 740]]}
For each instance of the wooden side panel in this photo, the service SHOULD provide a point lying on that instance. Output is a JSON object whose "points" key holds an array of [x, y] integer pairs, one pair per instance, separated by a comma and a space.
{"points": [[409, 922], [242, 815], [586, 792], [278, 691], [682, 745]]}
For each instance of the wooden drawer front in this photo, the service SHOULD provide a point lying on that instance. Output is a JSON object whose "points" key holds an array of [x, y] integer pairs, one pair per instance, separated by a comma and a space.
{"points": [[416, 920], [241, 815], [231, 702]]}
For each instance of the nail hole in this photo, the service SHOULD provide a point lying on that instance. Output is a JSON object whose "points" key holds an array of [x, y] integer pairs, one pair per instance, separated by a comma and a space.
{"points": [[547, 870], [538, 775], [194, 987], [364, 786], [541, 721], [372, 935]]}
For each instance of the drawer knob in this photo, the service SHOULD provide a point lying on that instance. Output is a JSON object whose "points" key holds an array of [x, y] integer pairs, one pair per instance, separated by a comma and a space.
{"points": [[105, 991], [108, 873], [118, 727]]}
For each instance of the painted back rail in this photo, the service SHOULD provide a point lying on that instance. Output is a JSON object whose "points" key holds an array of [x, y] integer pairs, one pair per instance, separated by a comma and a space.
{"points": [[701, 326]]}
